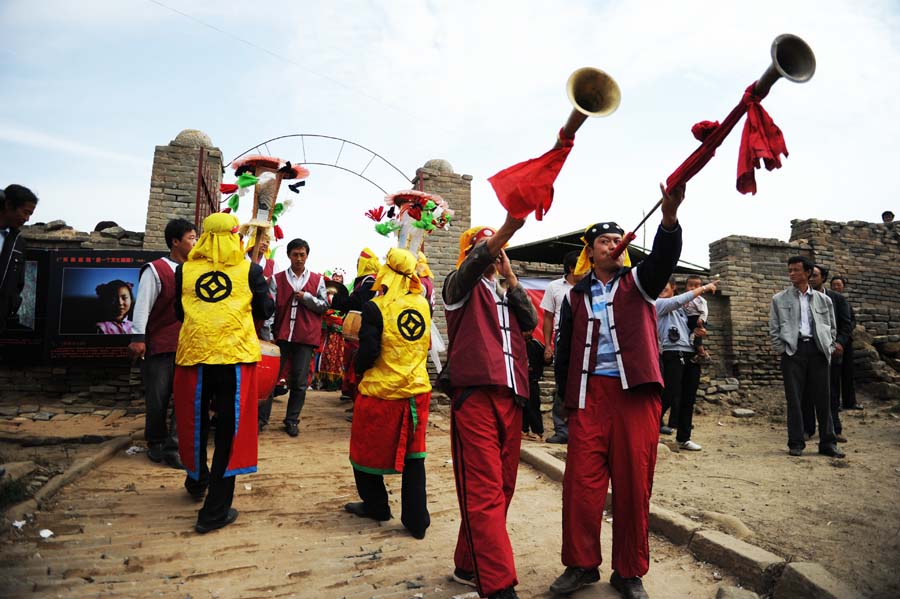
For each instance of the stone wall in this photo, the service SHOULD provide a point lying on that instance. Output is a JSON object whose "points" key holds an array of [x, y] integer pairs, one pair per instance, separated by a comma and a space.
{"points": [[752, 270], [868, 255], [76, 384], [173, 182], [442, 247], [60, 236]]}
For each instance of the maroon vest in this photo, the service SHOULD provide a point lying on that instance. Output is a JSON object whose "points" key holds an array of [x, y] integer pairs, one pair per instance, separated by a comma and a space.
{"points": [[162, 326], [293, 321], [268, 269], [633, 327], [486, 342]]}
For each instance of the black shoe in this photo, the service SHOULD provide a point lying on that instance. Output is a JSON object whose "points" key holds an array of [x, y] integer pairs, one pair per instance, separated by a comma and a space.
{"points": [[345, 398], [666, 430], [358, 508], [840, 438], [832, 451], [173, 461], [629, 588], [795, 452], [507, 593], [464, 577], [205, 528], [573, 579], [291, 429], [155, 453], [557, 438], [855, 407], [197, 496]]}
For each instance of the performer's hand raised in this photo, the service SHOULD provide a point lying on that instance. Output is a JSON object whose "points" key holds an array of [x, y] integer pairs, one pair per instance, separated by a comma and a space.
{"points": [[670, 204], [504, 269]]}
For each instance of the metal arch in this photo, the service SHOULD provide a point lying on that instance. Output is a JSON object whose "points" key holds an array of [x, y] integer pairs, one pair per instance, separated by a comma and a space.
{"points": [[264, 144]]}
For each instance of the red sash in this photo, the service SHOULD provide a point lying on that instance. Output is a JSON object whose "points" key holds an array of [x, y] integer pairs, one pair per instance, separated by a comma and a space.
{"points": [[387, 432]]}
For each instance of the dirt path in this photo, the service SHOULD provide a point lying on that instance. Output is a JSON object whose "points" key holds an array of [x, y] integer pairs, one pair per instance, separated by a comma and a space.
{"points": [[843, 514], [126, 530]]}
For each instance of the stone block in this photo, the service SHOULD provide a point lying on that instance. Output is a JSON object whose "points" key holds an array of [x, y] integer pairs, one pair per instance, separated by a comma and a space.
{"points": [[755, 567], [729, 592], [808, 580], [9, 411], [742, 413], [675, 527], [102, 389], [55, 225]]}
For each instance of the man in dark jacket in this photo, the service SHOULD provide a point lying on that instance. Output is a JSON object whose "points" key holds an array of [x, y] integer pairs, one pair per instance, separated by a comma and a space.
{"points": [[17, 204], [844, 321]]}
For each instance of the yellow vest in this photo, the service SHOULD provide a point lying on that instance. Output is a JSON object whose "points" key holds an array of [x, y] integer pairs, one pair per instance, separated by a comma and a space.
{"points": [[218, 325], [401, 369]]}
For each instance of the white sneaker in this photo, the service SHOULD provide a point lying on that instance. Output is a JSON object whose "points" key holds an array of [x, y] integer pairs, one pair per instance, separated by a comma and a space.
{"points": [[690, 446]]}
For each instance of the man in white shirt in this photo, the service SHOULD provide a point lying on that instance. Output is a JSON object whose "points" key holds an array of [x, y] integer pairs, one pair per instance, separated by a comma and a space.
{"points": [[552, 302], [300, 301], [155, 339]]}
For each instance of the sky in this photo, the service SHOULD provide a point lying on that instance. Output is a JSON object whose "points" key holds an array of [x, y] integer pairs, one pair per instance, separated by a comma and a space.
{"points": [[91, 87]]}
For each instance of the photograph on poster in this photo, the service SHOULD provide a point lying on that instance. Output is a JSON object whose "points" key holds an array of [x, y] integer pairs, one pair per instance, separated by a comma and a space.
{"points": [[97, 301]]}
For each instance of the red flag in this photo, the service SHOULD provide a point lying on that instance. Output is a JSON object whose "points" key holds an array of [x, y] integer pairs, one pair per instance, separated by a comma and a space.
{"points": [[528, 186], [228, 187]]}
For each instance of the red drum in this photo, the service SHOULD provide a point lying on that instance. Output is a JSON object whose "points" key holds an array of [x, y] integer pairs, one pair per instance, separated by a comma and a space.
{"points": [[267, 369]]}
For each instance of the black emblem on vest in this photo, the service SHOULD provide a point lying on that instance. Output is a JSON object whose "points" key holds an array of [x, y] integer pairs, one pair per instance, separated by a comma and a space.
{"points": [[213, 286], [411, 324]]}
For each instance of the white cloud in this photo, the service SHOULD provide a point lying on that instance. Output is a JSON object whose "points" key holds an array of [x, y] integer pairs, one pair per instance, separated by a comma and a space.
{"points": [[45, 141]]}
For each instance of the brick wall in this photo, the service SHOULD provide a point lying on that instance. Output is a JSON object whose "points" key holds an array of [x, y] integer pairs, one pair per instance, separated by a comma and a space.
{"points": [[868, 255], [442, 247], [752, 270], [173, 182]]}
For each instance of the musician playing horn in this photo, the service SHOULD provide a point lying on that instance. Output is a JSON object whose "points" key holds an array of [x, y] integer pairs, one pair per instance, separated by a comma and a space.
{"points": [[607, 370], [487, 364]]}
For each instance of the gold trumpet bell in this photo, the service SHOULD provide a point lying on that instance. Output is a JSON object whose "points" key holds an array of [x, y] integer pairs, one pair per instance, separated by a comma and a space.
{"points": [[593, 92]]}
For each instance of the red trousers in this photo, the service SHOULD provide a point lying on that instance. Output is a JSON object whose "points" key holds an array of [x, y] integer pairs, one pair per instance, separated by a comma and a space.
{"points": [[613, 438], [486, 429]]}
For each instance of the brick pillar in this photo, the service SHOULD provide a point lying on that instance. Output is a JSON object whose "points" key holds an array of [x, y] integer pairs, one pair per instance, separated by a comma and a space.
{"points": [[173, 182], [442, 247]]}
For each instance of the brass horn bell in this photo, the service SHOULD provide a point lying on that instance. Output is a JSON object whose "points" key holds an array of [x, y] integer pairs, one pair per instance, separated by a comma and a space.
{"points": [[593, 93], [792, 58]]}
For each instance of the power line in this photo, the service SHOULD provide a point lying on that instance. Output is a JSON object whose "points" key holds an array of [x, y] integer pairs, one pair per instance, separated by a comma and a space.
{"points": [[292, 62]]}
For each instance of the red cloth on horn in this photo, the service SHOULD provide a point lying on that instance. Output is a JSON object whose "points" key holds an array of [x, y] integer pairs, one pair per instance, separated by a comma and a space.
{"points": [[761, 139], [528, 186]]}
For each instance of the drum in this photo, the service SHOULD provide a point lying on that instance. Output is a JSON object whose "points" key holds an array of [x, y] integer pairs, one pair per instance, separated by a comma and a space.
{"points": [[267, 369], [352, 321]]}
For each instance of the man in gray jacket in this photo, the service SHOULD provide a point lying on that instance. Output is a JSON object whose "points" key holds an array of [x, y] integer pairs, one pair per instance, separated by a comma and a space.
{"points": [[803, 330]]}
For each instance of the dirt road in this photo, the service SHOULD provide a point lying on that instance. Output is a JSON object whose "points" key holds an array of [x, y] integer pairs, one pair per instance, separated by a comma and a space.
{"points": [[843, 514], [125, 530]]}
